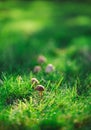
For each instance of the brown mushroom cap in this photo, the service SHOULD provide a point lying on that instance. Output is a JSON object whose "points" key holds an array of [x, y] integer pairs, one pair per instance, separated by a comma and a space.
{"points": [[42, 59], [39, 88], [49, 68], [37, 69], [34, 81]]}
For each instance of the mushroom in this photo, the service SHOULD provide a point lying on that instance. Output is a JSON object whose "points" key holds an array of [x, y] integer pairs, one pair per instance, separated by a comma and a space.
{"points": [[37, 69], [34, 81], [49, 68], [42, 59], [40, 88]]}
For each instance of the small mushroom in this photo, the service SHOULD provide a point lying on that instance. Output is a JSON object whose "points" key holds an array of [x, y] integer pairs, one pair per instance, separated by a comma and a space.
{"points": [[49, 68], [42, 59], [34, 81], [37, 69], [40, 88]]}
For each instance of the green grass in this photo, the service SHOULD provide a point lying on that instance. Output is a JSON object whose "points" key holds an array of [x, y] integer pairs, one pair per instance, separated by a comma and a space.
{"points": [[61, 32], [62, 103]]}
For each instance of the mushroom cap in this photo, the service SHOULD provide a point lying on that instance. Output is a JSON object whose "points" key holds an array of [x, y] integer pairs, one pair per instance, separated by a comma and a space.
{"points": [[34, 81], [37, 69], [49, 68], [41, 59], [39, 88]]}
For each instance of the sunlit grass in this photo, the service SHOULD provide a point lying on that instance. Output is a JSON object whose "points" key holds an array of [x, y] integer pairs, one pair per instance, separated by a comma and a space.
{"points": [[60, 101], [23, 26]]}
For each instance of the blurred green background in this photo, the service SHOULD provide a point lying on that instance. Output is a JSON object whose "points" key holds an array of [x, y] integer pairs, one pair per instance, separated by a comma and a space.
{"points": [[60, 30]]}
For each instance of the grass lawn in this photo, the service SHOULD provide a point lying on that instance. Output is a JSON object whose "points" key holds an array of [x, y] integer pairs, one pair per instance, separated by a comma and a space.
{"points": [[62, 33]]}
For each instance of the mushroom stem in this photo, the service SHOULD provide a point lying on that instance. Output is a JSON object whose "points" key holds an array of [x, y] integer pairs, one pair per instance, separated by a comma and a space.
{"points": [[41, 93], [34, 81], [40, 88]]}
